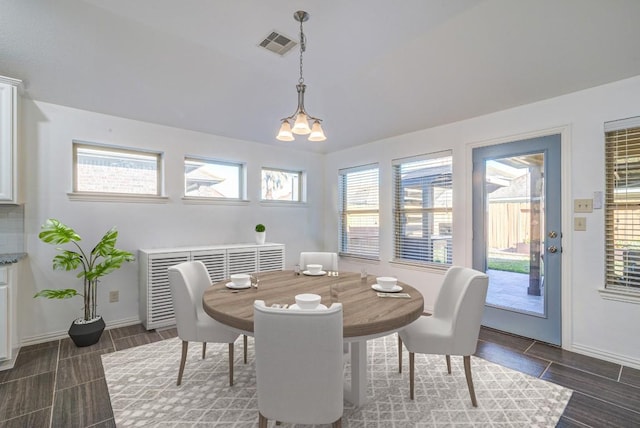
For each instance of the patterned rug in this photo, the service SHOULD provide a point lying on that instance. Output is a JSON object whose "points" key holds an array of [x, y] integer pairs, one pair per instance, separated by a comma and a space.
{"points": [[143, 391]]}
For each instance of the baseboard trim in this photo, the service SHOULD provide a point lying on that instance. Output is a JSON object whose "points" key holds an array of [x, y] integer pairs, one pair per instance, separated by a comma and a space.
{"points": [[57, 335], [624, 360]]}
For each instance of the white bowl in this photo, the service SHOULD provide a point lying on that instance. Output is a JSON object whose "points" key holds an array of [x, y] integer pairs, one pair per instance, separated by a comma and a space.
{"points": [[386, 282], [307, 301], [241, 279], [314, 268]]}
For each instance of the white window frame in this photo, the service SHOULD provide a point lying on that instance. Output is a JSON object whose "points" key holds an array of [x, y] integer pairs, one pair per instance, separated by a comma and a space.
{"points": [[301, 188], [423, 257], [344, 249], [622, 145], [242, 180], [76, 194]]}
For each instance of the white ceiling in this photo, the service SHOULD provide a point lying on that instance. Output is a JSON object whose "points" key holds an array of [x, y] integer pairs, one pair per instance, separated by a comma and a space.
{"points": [[373, 68]]}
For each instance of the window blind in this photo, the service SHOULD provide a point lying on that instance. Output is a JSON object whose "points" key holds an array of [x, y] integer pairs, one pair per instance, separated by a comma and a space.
{"points": [[359, 231], [423, 209], [622, 206]]}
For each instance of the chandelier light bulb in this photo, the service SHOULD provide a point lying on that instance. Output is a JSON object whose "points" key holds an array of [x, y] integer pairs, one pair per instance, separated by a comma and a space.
{"points": [[317, 134], [301, 127], [285, 132]]}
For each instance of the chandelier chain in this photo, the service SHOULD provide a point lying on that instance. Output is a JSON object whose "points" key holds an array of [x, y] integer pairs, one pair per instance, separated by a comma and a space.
{"points": [[302, 49]]}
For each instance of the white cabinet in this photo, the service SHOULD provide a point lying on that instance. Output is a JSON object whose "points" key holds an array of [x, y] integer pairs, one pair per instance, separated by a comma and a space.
{"points": [[9, 140], [5, 336], [9, 345], [156, 307]]}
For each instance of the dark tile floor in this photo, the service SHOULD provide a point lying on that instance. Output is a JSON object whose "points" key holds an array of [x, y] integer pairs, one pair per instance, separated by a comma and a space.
{"points": [[57, 385]]}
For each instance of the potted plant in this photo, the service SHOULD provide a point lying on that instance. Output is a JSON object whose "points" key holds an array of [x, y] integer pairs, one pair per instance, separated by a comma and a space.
{"points": [[104, 258], [261, 234]]}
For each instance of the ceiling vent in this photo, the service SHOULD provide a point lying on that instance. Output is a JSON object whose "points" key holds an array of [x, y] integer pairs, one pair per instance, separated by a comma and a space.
{"points": [[278, 43]]}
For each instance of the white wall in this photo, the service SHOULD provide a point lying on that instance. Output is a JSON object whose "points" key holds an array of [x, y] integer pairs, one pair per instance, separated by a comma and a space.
{"points": [[47, 132], [591, 325], [594, 326]]}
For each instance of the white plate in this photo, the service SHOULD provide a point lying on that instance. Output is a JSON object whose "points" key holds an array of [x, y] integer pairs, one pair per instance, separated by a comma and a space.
{"points": [[395, 288], [237, 287], [295, 306], [306, 272]]}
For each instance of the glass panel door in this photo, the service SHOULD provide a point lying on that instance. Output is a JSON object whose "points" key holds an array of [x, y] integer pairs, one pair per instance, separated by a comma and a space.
{"points": [[517, 235]]}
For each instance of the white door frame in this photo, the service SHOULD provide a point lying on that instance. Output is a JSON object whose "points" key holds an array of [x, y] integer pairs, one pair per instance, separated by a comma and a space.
{"points": [[566, 209]]}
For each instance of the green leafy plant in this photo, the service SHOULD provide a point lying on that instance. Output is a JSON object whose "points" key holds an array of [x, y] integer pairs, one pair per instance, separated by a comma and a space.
{"points": [[260, 228], [103, 259]]}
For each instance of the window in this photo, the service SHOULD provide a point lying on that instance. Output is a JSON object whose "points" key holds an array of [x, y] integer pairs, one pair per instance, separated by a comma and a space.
{"points": [[207, 178], [423, 209], [622, 205], [281, 185], [116, 170], [359, 232]]}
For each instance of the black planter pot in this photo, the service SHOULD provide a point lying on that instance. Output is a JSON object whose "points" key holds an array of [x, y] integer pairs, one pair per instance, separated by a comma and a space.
{"points": [[87, 334]]}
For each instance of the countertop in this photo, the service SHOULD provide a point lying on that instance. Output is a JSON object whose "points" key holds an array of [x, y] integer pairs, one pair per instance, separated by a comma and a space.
{"points": [[9, 258]]}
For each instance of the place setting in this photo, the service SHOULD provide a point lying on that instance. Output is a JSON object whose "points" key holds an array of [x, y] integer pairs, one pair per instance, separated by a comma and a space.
{"points": [[387, 286], [241, 281], [314, 270], [307, 302]]}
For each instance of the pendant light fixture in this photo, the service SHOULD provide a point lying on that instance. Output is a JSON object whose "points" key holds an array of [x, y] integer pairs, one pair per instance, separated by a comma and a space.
{"points": [[300, 117]]}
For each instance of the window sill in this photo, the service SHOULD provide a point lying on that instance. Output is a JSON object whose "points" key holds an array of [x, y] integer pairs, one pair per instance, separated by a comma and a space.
{"points": [[356, 259], [420, 266], [283, 204], [105, 197], [620, 295], [213, 201]]}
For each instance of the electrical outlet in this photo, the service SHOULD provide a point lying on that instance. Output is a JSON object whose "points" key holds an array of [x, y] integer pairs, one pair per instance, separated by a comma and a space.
{"points": [[114, 296], [580, 224], [583, 205]]}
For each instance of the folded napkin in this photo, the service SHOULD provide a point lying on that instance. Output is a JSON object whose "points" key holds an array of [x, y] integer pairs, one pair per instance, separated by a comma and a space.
{"points": [[396, 295], [280, 305]]}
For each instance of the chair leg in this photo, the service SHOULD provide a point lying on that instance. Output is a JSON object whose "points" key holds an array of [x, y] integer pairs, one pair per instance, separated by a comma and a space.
{"points": [[467, 373], [185, 347], [411, 374], [262, 421], [337, 424], [399, 354], [244, 339], [231, 364], [448, 363], [204, 349]]}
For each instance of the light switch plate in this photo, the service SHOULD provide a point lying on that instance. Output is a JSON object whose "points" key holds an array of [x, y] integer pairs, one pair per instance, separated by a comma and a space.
{"points": [[598, 200], [580, 224], [583, 205]]}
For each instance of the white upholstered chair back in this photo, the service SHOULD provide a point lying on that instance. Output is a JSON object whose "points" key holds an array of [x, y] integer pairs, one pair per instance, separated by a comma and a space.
{"points": [[299, 364], [460, 303], [453, 328], [187, 282], [329, 261]]}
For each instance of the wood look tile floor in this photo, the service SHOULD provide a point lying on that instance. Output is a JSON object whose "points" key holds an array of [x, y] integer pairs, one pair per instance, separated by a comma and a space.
{"points": [[58, 385]]}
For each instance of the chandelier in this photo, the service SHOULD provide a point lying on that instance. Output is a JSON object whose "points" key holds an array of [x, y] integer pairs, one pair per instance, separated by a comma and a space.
{"points": [[300, 117]]}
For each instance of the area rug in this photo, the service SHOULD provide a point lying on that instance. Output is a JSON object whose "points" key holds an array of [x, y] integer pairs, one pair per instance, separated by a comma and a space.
{"points": [[143, 391]]}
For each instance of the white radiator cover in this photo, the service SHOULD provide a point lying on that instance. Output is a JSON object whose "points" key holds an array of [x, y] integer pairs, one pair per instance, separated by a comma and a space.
{"points": [[156, 307]]}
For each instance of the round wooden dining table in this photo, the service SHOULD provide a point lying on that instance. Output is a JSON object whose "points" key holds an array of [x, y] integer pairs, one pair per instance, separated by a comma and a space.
{"points": [[365, 314]]}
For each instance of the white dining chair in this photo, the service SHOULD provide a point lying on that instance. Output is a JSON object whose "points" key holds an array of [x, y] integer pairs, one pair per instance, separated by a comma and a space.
{"points": [[299, 365], [188, 282], [453, 328], [329, 261]]}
